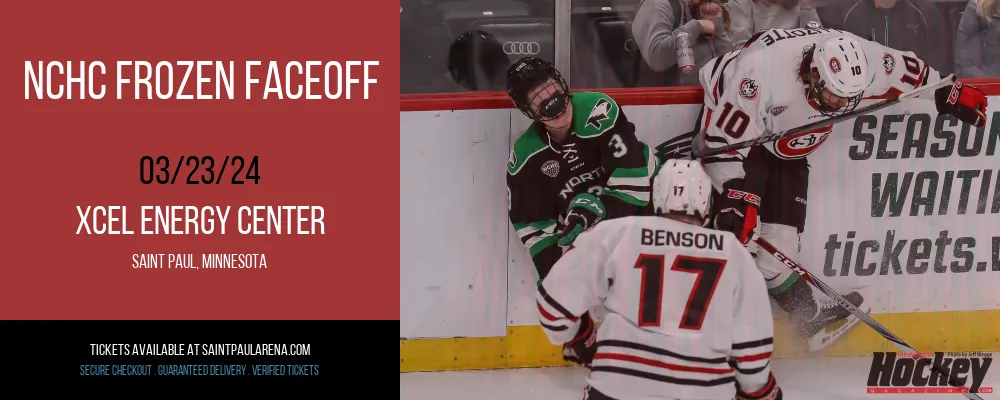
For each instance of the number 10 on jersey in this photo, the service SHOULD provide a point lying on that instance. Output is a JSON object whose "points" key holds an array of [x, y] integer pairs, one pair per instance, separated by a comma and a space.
{"points": [[708, 272]]}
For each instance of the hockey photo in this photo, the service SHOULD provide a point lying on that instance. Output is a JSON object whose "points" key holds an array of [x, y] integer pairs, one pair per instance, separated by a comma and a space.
{"points": [[699, 199]]}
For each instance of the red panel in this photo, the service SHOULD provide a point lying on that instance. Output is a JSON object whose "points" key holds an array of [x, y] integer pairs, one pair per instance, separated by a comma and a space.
{"points": [[625, 97], [88, 152]]}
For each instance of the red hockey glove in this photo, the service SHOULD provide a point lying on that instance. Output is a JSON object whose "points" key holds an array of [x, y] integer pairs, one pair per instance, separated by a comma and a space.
{"points": [[967, 103], [741, 217], [581, 349], [770, 391]]}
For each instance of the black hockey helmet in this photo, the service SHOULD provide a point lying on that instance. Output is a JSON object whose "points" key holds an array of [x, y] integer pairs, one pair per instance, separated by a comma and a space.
{"points": [[532, 80], [476, 61]]}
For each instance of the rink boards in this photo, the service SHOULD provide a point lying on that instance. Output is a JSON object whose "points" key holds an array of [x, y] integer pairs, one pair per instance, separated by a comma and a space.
{"points": [[904, 179]]}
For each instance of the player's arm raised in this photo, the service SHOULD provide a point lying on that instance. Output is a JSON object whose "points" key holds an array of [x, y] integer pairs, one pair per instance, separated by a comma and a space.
{"points": [[894, 72], [753, 333], [629, 163], [534, 224], [577, 282]]}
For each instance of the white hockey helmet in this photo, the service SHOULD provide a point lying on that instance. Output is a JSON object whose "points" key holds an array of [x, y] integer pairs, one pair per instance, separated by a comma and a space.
{"points": [[683, 187], [842, 66]]}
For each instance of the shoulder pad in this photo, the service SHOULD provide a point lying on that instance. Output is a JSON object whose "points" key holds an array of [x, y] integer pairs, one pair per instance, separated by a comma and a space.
{"points": [[593, 113], [526, 146]]}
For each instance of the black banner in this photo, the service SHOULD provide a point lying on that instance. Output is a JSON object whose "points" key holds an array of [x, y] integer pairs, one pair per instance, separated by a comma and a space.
{"points": [[113, 353]]}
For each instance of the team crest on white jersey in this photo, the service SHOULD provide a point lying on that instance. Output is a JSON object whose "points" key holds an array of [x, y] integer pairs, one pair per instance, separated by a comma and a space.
{"points": [[889, 63], [801, 145], [551, 168], [775, 111], [748, 89]]}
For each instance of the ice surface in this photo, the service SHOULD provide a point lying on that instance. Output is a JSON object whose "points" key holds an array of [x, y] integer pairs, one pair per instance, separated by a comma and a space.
{"points": [[841, 378]]}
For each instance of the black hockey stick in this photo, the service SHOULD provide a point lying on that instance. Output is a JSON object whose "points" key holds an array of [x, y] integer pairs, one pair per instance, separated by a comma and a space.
{"points": [[767, 246], [700, 149]]}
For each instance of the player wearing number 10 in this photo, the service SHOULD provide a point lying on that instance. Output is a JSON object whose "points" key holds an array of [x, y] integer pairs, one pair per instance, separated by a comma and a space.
{"points": [[688, 312], [783, 79], [578, 163]]}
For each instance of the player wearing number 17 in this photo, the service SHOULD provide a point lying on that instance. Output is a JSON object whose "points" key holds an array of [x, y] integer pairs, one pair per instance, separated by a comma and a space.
{"points": [[578, 162], [784, 79], [688, 312]]}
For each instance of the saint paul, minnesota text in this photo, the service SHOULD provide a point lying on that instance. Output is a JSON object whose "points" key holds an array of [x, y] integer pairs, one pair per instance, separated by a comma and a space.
{"points": [[208, 261], [199, 349]]}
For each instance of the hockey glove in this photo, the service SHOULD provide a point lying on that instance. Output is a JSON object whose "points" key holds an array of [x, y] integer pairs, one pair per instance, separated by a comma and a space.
{"points": [[967, 103], [585, 211], [740, 217], [581, 349], [770, 391]]}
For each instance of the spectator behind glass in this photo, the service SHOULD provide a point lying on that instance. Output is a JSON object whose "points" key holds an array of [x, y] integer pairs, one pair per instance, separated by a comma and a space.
{"points": [[752, 16], [476, 61], [907, 25], [977, 48], [423, 47], [654, 26]]}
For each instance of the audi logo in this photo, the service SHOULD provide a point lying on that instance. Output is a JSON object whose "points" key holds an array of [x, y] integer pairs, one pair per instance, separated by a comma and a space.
{"points": [[521, 48]]}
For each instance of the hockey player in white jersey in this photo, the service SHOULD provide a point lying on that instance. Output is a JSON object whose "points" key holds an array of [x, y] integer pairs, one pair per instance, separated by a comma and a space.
{"points": [[688, 315], [783, 79]]}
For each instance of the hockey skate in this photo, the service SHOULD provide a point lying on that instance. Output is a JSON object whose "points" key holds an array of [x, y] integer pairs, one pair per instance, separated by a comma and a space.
{"points": [[831, 322]]}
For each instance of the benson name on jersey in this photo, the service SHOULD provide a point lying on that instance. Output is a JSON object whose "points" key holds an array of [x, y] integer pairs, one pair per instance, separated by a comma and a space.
{"points": [[660, 237]]}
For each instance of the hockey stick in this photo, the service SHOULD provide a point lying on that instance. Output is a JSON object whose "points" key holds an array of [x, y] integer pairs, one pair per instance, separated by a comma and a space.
{"points": [[701, 150], [767, 246]]}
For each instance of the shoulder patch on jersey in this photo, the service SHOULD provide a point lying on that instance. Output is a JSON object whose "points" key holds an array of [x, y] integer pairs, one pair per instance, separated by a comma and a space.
{"points": [[888, 63], [526, 146], [593, 113], [775, 111], [812, 24], [748, 89]]}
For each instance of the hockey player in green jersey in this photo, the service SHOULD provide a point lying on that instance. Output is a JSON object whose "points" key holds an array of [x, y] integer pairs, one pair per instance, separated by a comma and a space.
{"points": [[578, 163]]}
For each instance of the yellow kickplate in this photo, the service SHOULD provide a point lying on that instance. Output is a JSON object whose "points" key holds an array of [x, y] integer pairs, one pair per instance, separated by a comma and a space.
{"points": [[527, 346]]}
